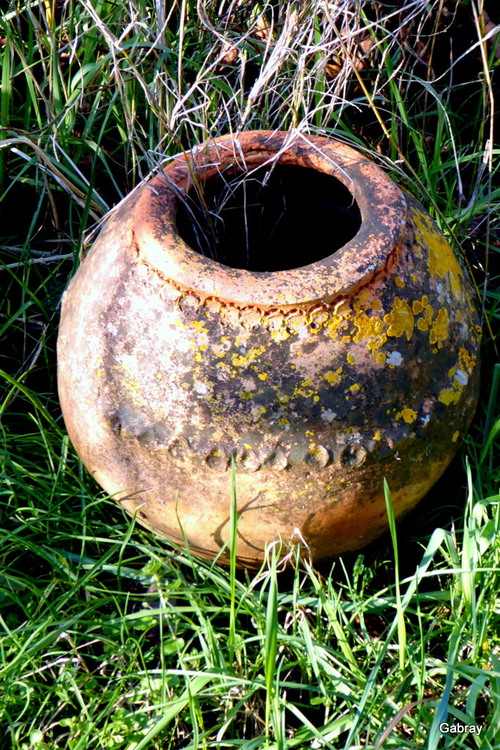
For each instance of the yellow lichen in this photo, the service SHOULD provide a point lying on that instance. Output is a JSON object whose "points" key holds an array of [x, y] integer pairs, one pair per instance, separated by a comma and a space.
{"points": [[440, 328], [409, 415], [246, 395], [224, 366], [199, 326], [466, 360], [258, 410], [219, 351], [400, 320], [425, 322], [362, 300], [449, 396], [243, 360], [333, 378], [281, 334], [441, 259], [368, 326], [284, 398], [335, 322], [304, 390]]}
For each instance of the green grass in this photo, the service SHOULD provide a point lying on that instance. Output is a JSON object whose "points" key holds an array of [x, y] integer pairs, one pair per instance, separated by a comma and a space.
{"points": [[112, 638]]}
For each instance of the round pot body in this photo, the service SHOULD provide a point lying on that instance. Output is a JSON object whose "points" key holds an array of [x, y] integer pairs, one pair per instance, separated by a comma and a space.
{"points": [[317, 332]]}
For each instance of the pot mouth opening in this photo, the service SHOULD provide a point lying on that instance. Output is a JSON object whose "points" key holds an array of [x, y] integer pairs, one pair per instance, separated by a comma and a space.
{"points": [[273, 218], [312, 262]]}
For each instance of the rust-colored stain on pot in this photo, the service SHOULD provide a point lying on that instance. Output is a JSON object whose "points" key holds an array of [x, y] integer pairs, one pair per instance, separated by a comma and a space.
{"points": [[319, 360]]}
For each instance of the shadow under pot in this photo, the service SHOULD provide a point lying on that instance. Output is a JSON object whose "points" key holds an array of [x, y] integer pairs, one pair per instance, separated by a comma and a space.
{"points": [[275, 301]]}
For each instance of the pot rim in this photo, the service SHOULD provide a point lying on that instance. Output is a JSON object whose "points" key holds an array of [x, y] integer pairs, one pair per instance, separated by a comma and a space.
{"points": [[381, 203]]}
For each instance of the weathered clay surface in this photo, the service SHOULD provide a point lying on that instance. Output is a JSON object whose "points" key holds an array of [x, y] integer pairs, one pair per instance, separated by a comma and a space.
{"points": [[318, 381]]}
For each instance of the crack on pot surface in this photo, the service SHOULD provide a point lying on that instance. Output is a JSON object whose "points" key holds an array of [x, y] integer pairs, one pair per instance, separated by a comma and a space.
{"points": [[271, 219]]}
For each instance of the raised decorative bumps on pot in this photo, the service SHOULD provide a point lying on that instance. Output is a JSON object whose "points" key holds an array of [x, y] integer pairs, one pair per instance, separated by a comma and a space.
{"points": [[330, 341]]}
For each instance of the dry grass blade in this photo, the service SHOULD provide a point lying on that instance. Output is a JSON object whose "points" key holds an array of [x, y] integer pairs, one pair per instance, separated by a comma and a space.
{"points": [[395, 721], [48, 166]]}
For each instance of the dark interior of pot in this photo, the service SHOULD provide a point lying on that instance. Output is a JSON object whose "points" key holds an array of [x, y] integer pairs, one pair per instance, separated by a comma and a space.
{"points": [[271, 219]]}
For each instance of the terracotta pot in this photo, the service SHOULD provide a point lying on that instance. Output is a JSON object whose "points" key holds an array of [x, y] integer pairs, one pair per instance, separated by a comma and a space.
{"points": [[329, 342]]}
